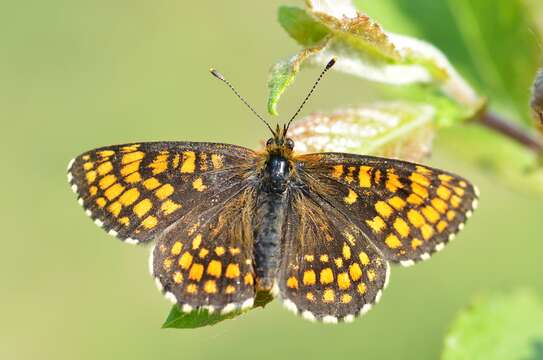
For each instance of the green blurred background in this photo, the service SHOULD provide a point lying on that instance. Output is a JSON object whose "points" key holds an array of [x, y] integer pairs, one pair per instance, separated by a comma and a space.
{"points": [[80, 74]]}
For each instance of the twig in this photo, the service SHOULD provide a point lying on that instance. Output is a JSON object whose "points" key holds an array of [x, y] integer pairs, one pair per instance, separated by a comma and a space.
{"points": [[512, 131]]}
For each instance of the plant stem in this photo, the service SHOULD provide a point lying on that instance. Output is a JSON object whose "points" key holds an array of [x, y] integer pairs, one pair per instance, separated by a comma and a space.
{"points": [[512, 131]]}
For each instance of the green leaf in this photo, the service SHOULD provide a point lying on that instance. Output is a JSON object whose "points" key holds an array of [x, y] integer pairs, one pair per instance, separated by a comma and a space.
{"points": [[365, 50], [390, 129], [507, 327], [199, 318], [300, 26]]}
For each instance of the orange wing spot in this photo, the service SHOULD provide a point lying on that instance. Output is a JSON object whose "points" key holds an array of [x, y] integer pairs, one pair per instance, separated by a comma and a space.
{"points": [[219, 250], [431, 214], [393, 242], [85, 157], [351, 197], [131, 157], [349, 178], [415, 218], [419, 190], [427, 231], [292, 283], [130, 168], [114, 191], [198, 185], [151, 183], [463, 183], [397, 203], [383, 209], [101, 202], [377, 176], [164, 191], [459, 191], [188, 166], [350, 238], [214, 268], [420, 179], [439, 205], [423, 170], [130, 148], [104, 168], [364, 177], [401, 227], [377, 224], [455, 201], [309, 258], [124, 221], [196, 272], [355, 271], [415, 243], [106, 153], [196, 242], [159, 164], [133, 178], [175, 161], [107, 181], [169, 207], [129, 197], [149, 222], [451, 214], [346, 298], [88, 165], [326, 276], [441, 226], [445, 178], [346, 251], [93, 190], [234, 250], [185, 260], [309, 296], [361, 288], [371, 275], [203, 253], [248, 279], [393, 182], [142, 208], [192, 289], [216, 160], [339, 262], [443, 192], [328, 296], [364, 258], [343, 281], [232, 271], [337, 171], [415, 199], [324, 258], [309, 277], [177, 277], [176, 248], [167, 263], [210, 287], [115, 208], [230, 290], [203, 162]]}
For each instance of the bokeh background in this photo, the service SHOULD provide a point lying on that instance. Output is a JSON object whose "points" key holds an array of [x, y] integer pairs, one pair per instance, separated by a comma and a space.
{"points": [[75, 75]]}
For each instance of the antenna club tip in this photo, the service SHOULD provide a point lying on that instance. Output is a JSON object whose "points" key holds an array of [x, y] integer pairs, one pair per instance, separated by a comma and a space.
{"points": [[215, 73], [331, 63]]}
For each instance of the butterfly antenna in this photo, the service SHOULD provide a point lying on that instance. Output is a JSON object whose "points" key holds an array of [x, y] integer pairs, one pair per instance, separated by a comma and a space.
{"points": [[326, 68], [220, 76]]}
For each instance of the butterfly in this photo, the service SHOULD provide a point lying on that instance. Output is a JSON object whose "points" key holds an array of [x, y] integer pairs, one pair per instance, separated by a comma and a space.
{"points": [[320, 230]]}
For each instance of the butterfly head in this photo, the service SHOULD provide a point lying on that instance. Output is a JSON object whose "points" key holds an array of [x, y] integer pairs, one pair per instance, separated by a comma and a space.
{"points": [[280, 144]]}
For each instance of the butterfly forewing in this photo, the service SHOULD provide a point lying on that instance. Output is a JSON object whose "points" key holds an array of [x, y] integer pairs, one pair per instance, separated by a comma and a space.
{"points": [[329, 270], [406, 210], [135, 191]]}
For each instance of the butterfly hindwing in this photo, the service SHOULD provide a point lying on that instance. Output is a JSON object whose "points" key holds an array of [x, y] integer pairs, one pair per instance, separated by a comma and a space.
{"points": [[329, 270], [135, 191], [205, 260], [407, 210]]}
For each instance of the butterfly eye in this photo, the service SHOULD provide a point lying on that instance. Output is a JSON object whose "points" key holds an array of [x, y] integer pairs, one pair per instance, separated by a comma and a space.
{"points": [[290, 144], [269, 142]]}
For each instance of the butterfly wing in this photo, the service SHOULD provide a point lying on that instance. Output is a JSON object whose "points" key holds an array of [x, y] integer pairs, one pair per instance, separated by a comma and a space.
{"points": [[329, 271], [406, 210], [135, 191]]}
